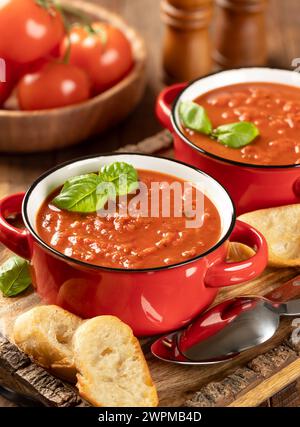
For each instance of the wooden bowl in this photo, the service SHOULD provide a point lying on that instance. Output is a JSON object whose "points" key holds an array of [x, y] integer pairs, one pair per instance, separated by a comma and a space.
{"points": [[29, 131]]}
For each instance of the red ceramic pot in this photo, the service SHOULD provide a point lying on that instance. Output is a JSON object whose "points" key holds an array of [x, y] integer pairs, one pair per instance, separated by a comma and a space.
{"points": [[151, 301], [250, 186]]}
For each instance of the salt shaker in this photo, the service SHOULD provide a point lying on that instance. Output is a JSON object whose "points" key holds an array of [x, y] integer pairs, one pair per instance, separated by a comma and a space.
{"points": [[187, 45], [240, 33]]}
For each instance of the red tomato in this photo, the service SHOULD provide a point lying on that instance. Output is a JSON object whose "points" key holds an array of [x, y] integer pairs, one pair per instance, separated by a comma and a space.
{"points": [[104, 54], [28, 31], [55, 85], [7, 80], [31, 67]]}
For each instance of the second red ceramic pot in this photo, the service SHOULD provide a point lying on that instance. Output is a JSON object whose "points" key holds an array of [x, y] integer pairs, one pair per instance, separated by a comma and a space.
{"points": [[250, 186], [151, 301]]}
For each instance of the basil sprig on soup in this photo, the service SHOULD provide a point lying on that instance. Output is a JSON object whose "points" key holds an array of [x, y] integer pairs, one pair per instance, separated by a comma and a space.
{"points": [[90, 192], [236, 113], [71, 222], [195, 117], [234, 135]]}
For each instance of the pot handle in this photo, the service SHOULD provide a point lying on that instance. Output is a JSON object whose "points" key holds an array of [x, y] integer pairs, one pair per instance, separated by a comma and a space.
{"points": [[224, 273], [13, 238], [297, 187], [164, 103]]}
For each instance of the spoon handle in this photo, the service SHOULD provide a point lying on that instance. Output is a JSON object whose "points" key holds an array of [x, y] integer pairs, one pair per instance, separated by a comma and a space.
{"points": [[287, 291], [290, 308]]}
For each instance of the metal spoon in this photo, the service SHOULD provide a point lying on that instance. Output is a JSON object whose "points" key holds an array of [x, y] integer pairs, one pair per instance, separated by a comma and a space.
{"points": [[224, 331]]}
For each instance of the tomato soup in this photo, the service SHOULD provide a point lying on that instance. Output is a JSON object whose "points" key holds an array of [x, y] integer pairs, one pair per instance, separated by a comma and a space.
{"points": [[131, 242], [273, 108]]}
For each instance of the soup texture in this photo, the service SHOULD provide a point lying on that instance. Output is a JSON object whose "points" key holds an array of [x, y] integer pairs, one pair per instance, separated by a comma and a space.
{"points": [[126, 241], [273, 108]]}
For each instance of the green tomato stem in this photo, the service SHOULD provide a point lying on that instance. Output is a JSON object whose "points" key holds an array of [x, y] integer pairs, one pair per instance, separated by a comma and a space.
{"points": [[67, 55], [83, 18], [66, 8]]}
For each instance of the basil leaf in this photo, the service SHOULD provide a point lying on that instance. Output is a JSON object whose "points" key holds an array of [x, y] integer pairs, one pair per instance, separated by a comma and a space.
{"points": [[79, 194], [194, 116], [122, 175], [102, 198], [90, 192], [14, 276], [236, 135], [75, 179]]}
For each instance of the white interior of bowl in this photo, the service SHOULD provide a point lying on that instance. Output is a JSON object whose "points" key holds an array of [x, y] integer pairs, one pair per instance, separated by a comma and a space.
{"points": [[230, 77], [216, 193]]}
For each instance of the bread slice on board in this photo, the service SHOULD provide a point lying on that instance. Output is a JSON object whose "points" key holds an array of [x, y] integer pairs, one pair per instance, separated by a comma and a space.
{"points": [[111, 367], [45, 333], [281, 228]]}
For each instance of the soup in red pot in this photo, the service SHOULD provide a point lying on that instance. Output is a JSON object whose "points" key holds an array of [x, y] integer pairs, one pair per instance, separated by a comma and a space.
{"points": [[273, 108], [133, 242]]}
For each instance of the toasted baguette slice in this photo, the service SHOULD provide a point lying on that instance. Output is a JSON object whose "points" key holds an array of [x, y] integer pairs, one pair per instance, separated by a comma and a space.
{"points": [[45, 333], [112, 370]]}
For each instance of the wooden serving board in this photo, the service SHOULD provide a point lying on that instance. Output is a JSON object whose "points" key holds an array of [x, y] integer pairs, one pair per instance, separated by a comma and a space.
{"points": [[248, 380]]}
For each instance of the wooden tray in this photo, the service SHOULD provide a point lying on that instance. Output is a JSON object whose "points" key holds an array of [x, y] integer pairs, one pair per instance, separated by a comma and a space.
{"points": [[248, 380]]}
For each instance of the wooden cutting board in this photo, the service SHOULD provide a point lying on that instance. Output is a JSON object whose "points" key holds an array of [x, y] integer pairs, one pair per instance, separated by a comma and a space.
{"points": [[248, 380]]}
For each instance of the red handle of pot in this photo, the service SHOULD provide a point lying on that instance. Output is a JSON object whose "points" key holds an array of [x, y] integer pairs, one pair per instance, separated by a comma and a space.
{"points": [[165, 99], [297, 188], [225, 274], [213, 321], [13, 238]]}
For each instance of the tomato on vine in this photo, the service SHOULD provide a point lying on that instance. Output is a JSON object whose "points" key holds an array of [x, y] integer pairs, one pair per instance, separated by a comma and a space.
{"points": [[33, 66], [29, 29], [56, 84], [102, 50]]}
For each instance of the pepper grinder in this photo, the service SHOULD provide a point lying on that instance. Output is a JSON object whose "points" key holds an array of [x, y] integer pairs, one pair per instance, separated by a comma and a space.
{"points": [[240, 34], [187, 44]]}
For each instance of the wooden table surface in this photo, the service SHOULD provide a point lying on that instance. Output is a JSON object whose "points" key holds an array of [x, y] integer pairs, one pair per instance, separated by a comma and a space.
{"points": [[18, 171]]}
